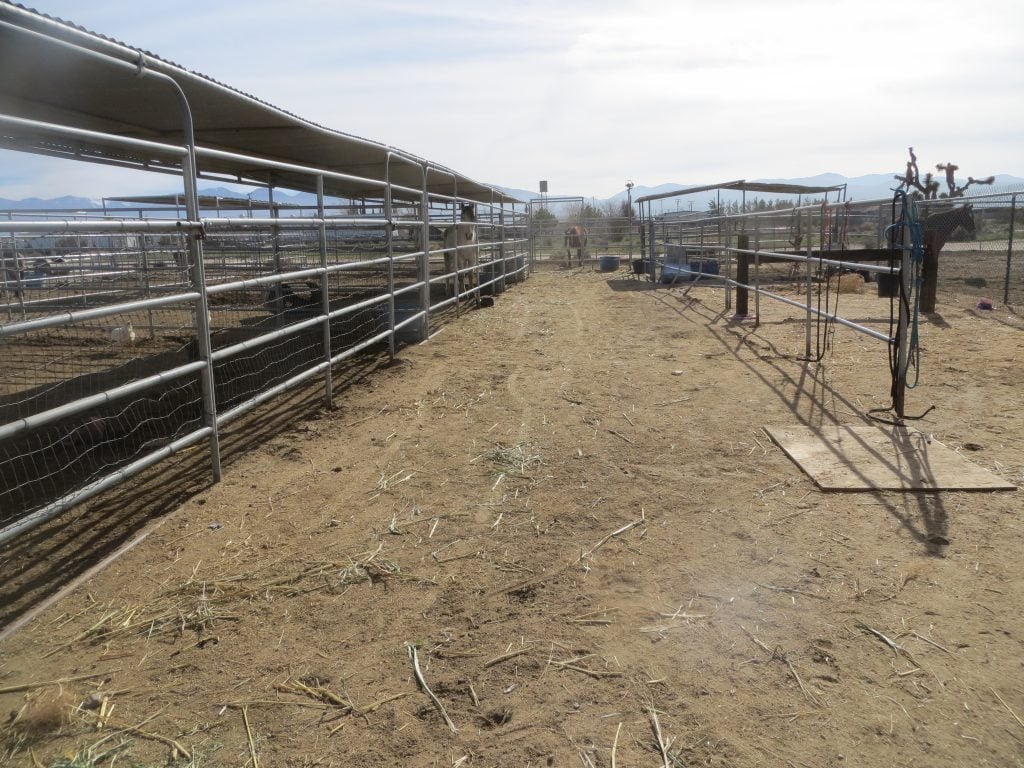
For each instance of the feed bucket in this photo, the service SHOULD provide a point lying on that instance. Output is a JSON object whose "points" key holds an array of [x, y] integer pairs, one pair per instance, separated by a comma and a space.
{"points": [[888, 285]]}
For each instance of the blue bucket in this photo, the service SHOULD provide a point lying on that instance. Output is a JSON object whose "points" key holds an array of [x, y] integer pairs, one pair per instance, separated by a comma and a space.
{"points": [[680, 273], [608, 264]]}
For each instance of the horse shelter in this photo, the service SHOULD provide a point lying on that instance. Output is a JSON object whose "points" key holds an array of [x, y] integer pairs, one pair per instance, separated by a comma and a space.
{"points": [[136, 331]]}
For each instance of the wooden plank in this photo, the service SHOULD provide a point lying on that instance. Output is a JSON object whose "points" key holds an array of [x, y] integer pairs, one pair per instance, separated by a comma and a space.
{"points": [[847, 458]]}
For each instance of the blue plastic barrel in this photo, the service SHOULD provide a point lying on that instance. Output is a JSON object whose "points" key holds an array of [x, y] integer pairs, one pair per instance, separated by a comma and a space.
{"points": [[608, 264]]}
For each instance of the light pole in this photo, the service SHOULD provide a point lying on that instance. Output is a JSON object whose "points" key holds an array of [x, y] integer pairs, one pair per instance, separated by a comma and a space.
{"points": [[629, 202]]}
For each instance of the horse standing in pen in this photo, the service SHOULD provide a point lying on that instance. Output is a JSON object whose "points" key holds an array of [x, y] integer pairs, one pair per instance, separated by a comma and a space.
{"points": [[936, 230], [462, 251], [575, 239], [939, 227]]}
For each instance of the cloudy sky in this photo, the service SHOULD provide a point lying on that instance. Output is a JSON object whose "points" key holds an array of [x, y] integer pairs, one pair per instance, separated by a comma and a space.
{"points": [[589, 93]]}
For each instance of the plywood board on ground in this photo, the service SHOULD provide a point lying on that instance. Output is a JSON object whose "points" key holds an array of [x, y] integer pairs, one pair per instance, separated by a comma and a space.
{"points": [[849, 458]]}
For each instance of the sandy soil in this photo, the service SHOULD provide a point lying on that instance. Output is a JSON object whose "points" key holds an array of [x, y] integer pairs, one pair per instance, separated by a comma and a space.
{"points": [[568, 506]]}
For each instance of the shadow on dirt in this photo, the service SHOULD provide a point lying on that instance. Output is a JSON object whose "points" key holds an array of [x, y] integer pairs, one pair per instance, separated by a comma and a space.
{"points": [[816, 403], [41, 562]]}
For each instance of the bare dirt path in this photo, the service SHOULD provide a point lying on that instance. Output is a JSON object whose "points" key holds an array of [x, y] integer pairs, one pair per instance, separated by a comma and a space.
{"points": [[567, 505]]}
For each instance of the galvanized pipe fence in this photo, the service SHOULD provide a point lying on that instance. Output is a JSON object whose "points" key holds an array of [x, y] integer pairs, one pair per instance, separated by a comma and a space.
{"points": [[130, 338], [984, 263], [800, 248], [794, 248]]}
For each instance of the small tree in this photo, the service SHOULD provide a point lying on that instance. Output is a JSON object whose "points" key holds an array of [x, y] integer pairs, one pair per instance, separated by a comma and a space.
{"points": [[582, 212], [928, 188]]}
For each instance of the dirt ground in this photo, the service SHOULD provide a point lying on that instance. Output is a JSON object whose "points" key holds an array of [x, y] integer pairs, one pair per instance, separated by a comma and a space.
{"points": [[567, 505]]}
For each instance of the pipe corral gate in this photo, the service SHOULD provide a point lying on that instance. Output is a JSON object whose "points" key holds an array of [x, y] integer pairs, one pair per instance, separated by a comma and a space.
{"points": [[750, 250]]}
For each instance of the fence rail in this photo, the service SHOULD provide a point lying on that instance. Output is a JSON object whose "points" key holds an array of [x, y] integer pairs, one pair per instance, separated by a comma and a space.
{"points": [[983, 263], [960, 249], [105, 348]]}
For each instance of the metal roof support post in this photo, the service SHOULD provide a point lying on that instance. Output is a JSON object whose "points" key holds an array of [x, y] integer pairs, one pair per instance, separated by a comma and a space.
{"points": [[389, 233], [205, 347], [195, 247], [325, 293]]}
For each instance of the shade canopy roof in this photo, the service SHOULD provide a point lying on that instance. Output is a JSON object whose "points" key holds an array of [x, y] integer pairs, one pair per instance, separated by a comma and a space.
{"points": [[205, 202], [748, 186], [50, 72]]}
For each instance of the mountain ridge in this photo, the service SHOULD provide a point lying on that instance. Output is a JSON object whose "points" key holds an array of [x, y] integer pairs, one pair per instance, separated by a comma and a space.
{"points": [[858, 188]]}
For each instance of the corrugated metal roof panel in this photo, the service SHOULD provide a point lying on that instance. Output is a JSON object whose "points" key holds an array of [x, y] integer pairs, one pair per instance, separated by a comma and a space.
{"points": [[43, 80]]}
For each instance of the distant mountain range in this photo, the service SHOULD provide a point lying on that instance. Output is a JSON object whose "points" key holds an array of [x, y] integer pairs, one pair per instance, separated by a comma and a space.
{"points": [[71, 203], [870, 187]]}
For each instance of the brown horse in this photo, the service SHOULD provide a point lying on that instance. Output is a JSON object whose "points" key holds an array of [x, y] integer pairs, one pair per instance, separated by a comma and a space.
{"points": [[936, 231], [939, 227], [576, 238]]}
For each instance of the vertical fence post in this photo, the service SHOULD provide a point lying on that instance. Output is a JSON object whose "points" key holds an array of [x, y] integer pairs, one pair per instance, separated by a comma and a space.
{"points": [[3, 269], [424, 258], [202, 316], [325, 291], [390, 244], [1009, 249], [742, 276], [757, 288], [652, 249], [500, 285], [629, 225], [810, 253], [146, 287], [642, 231], [728, 264], [276, 233]]}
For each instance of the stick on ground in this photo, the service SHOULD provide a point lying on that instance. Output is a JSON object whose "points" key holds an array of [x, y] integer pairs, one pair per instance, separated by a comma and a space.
{"points": [[248, 733], [662, 746], [426, 688], [1019, 721]]}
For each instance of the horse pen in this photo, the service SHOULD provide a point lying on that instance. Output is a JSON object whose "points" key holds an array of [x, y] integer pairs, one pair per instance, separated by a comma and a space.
{"points": [[557, 533]]}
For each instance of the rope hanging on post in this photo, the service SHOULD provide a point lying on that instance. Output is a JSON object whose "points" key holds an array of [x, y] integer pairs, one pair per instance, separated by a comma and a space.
{"points": [[906, 227]]}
